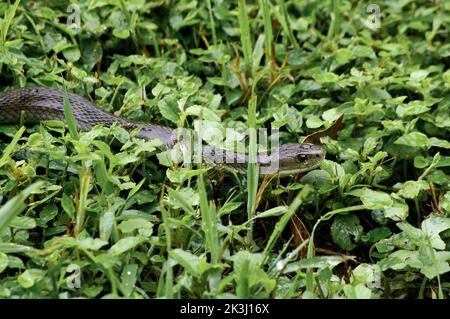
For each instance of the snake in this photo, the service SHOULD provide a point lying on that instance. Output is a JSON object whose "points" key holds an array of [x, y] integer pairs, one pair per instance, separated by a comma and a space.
{"points": [[31, 105]]}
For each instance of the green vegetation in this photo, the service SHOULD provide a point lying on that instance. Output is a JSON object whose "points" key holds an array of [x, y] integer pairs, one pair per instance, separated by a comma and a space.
{"points": [[100, 214]]}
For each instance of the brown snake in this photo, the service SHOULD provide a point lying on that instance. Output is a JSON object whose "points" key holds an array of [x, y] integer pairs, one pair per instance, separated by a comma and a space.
{"points": [[35, 104]]}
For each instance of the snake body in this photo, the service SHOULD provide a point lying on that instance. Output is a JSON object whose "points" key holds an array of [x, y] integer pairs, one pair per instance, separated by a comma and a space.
{"points": [[36, 104]]}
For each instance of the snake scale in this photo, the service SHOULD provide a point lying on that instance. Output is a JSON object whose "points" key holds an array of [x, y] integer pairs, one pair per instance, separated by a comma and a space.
{"points": [[36, 104]]}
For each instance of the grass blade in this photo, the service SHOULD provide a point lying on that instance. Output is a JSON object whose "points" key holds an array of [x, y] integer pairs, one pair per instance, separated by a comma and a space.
{"points": [[284, 221], [244, 25], [10, 147], [286, 25], [211, 21], [70, 119], [334, 25], [85, 178], [252, 169], [15, 206], [268, 32], [7, 20], [209, 222], [165, 283]]}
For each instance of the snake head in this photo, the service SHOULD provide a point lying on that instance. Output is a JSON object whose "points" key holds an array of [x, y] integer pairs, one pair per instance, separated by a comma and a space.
{"points": [[293, 159]]}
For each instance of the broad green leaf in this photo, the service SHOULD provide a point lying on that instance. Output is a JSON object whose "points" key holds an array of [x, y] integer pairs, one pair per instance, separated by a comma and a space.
{"points": [[228, 208], [375, 199], [129, 226], [68, 206], [129, 278], [106, 224], [125, 244], [411, 189], [320, 180], [169, 109], [30, 276], [376, 234], [47, 213], [413, 139], [23, 222], [91, 243], [327, 77], [398, 211], [187, 260], [366, 274], [418, 75], [359, 291], [346, 230], [433, 141], [432, 227]]}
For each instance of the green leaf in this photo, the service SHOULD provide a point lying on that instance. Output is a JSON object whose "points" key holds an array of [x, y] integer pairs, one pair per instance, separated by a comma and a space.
{"points": [[23, 222], [375, 199], [125, 244], [320, 180], [411, 189], [359, 291], [30, 276], [446, 202], [276, 211], [106, 224], [314, 122], [327, 77], [70, 119], [129, 226], [180, 175], [128, 278], [184, 199], [3, 261], [229, 208], [10, 148], [169, 109], [415, 235], [72, 53], [345, 227], [47, 213], [15, 206], [377, 95], [365, 274], [418, 75], [343, 55], [413, 139], [67, 205], [433, 141], [376, 234], [412, 108], [439, 267], [432, 227], [430, 263], [187, 260], [398, 211], [15, 262], [91, 243]]}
